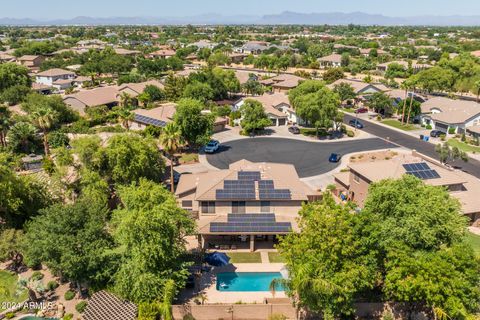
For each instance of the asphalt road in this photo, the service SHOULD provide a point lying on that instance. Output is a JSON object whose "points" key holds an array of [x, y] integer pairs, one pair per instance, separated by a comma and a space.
{"points": [[472, 166], [309, 158]]}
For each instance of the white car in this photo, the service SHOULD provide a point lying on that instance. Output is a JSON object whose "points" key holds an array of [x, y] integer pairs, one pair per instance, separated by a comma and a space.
{"points": [[212, 146]]}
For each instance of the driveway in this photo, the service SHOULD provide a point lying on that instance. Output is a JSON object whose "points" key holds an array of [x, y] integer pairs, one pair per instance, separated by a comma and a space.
{"points": [[309, 158], [472, 166]]}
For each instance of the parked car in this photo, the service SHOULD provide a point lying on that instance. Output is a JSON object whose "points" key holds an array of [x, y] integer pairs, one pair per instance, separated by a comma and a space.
{"points": [[212, 146], [334, 157], [361, 110], [294, 130], [356, 123], [436, 133]]}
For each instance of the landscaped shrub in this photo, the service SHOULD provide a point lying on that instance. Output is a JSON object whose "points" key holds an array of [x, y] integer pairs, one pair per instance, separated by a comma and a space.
{"points": [[442, 137], [81, 306], [69, 295], [464, 138], [36, 275], [58, 139], [277, 316], [428, 127], [188, 317], [68, 316], [52, 285], [10, 315], [350, 133], [451, 130]]}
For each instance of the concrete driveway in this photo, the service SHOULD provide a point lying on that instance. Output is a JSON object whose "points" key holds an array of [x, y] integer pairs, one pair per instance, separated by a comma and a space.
{"points": [[309, 158]]}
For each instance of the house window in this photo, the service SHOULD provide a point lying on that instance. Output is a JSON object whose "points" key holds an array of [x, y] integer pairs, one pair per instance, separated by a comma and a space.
{"points": [[238, 206], [187, 203], [264, 206], [356, 178], [208, 207]]}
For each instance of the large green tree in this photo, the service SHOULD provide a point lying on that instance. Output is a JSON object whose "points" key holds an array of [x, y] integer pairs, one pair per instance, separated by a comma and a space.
{"points": [[72, 240], [253, 116], [329, 265], [196, 127], [315, 103], [150, 231], [12, 74]]}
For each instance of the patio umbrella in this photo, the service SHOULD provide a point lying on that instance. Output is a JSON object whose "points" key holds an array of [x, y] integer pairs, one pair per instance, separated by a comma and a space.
{"points": [[217, 259]]}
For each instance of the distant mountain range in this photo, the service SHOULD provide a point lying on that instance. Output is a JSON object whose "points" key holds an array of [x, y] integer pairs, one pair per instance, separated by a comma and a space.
{"points": [[287, 17]]}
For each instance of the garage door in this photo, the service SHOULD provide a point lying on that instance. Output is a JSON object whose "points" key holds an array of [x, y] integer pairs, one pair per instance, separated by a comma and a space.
{"points": [[441, 127], [282, 122]]}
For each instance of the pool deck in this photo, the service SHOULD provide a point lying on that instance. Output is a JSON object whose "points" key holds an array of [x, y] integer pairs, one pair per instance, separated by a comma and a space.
{"points": [[208, 281]]}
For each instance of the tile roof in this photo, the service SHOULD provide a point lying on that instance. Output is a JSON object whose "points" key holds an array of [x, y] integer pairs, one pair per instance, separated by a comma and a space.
{"points": [[95, 97], [335, 58], [270, 101], [164, 112], [106, 306], [451, 111], [55, 72]]}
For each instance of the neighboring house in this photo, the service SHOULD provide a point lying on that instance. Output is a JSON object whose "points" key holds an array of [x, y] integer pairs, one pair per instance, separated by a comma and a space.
{"points": [[253, 47], [277, 107], [283, 82], [163, 114], [444, 113], [330, 61], [30, 61], [163, 53], [158, 117], [416, 67], [90, 98], [92, 44], [5, 57], [236, 57], [230, 204], [202, 44], [353, 185], [106, 306], [57, 78], [475, 53], [366, 52], [474, 131], [134, 89], [361, 88]]}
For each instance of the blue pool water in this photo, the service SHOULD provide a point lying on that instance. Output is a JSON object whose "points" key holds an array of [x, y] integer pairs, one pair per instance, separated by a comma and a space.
{"points": [[247, 281]]}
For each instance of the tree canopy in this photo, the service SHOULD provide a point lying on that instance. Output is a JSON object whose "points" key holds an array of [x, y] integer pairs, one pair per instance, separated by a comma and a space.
{"points": [[196, 127], [253, 116]]}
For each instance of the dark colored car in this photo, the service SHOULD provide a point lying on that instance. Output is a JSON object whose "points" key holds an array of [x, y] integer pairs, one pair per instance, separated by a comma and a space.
{"points": [[334, 157], [436, 133], [361, 110], [294, 130], [356, 123]]}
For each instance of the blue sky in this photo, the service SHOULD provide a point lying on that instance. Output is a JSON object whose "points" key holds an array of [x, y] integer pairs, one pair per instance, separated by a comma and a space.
{"points": [[48, 9]]}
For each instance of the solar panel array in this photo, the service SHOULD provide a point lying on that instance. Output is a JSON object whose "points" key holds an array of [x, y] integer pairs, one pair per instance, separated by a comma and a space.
{"points": [[246, 223], [150, 121], [421, 170], [266, 190], [249, 175], [237, 189]]}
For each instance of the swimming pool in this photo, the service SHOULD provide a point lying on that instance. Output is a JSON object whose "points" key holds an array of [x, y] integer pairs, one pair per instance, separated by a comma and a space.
{"points": [[247, 281]]}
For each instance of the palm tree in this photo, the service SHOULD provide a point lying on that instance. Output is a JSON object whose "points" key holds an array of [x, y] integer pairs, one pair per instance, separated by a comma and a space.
{"points": [[21, 134], [404, 85], [125, 99], [44, 119], [4, 124], [124, 117], [166, 304], [412, 84], [171, 140]]}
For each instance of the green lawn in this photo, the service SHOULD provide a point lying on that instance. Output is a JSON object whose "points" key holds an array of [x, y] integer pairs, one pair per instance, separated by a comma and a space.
{"points": [[189, 157], [463, 146], [474, 241], [275, 257], [245, 257], [397, 124], [8, 288]]}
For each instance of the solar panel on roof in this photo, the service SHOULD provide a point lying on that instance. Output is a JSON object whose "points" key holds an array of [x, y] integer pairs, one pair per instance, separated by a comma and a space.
{"points": [[421, 170], [149, 121], [249, 175]]}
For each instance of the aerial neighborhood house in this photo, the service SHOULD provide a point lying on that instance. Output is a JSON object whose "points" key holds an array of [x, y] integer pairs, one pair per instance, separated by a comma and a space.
{"points": [[92, 44], [30, 61], [5, 57], [135, 89], [161, 115], [416, 67], [353, 184], [277, 107], [80, 101], [202, 44], [475, 53], [446, 114], [366, 52], [283, 82], [126, 52], [245, 206], [330, 61], [163, 53], [361, 88], [253, 47], [57, 78]]}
